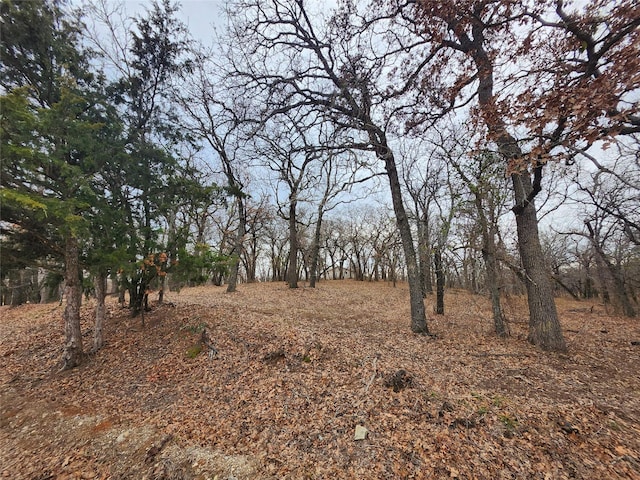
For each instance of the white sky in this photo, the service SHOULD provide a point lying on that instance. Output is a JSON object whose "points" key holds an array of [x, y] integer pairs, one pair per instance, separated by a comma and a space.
{"points": [[198, 15], [201, 15]]}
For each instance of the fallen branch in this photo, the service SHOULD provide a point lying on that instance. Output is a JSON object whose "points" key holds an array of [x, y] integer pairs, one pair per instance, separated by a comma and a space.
{"points": [[375, 373], [487, 354], [156, 449]]}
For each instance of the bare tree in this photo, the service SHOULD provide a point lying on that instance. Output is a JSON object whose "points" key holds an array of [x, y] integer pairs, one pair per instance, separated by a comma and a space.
{"points": [[482, 173], [610, 219], [419, 174], [289, 146], [258, 216], [338, 173], [463, 44], [217, 118], [294, 60], [276, 238], [335, 246]]}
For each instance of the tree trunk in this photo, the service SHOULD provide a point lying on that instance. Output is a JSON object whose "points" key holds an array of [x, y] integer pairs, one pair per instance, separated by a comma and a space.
{"points": [[171, 254], [315, 249], [491, 266], [251, 258], [418, 314], [440, 280], [100, 283], [292, 270], [587, 291], [474, 277], [332, 259], [163, 284], [602, 274], [544, 325], [136, 295], [613, 273], [620, 291], [274, 263], [73, 354], [493, 281], [237, 246], [18, 296], [424, 249]]}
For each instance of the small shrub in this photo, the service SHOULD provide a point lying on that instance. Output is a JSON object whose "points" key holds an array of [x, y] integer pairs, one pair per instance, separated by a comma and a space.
{"points": [[508, 421], [194, 351], [498, 401]]}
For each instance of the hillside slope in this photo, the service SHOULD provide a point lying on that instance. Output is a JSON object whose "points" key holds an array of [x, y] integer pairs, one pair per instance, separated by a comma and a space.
{"points": [[296, 371]]}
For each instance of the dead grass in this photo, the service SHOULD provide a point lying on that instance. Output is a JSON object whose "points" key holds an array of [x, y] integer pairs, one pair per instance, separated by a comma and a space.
{"points": [[298, 370]]}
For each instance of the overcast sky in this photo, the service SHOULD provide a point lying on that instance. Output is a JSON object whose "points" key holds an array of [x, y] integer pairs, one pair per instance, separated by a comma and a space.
{"points": [[198, 15]]}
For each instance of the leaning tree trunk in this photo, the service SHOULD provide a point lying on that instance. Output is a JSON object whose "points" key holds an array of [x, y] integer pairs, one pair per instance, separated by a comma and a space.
{"points": [[418, 314], [73, 354], [100, 283]]}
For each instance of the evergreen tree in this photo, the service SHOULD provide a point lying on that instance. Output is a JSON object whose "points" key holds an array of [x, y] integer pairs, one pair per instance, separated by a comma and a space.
{"points": [[141, 185], [49, 121]]}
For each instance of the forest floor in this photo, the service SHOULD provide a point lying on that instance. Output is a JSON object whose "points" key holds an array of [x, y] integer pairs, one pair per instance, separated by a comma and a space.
{"points": [[299, 372]]}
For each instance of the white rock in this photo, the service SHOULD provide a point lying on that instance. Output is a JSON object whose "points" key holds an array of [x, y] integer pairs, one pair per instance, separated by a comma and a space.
{"points": [[361, 433]]}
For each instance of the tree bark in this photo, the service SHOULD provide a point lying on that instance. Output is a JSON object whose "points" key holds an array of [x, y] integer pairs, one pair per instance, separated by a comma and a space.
{"points": [[440, 280], [493, 279], [163, 284], [292, 270], [73, 353], [100, 283], [424, 249], [251, 256], [544, 325], [613, 273], [418, 314], [237, 246], [315, 248], [491, 265]]}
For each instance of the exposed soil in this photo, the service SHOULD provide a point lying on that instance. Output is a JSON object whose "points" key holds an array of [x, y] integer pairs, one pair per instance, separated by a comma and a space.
{"points": [[299, 374]]}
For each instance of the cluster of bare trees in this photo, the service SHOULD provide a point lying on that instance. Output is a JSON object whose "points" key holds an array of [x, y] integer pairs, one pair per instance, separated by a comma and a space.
{"points": [[505, 134], [530, 82]]}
